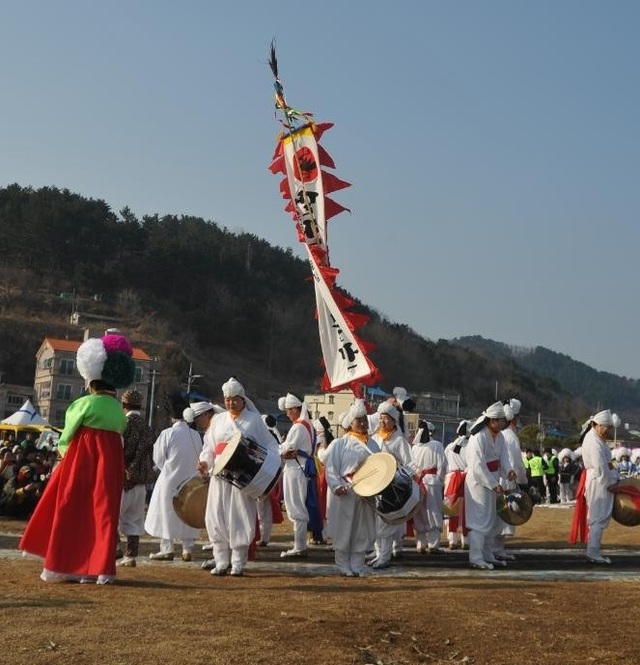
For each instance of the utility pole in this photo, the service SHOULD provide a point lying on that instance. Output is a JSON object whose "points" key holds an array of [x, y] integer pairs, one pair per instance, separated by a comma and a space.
{"points": [[540, 433], [154, 372], [191, 379]]}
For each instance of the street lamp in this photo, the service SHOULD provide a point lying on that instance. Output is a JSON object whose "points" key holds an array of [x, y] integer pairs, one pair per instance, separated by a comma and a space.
{"points": [[616, 423]]}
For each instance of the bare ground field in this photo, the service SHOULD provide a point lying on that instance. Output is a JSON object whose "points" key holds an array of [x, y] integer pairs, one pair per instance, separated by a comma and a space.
{"points": [[422, 610]]}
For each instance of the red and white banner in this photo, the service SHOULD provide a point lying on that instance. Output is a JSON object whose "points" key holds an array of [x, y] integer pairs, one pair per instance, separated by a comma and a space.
{"points": [[300, 158], [344, 354], [306, 184]]}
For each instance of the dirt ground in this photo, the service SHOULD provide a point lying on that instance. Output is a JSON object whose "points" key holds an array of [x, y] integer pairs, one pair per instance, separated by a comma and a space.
{"points": [[443, 613]]}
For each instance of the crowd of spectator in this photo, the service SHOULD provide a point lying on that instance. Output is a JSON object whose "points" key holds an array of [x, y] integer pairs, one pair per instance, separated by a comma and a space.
{"points": [[553, 476], [24, 472]]}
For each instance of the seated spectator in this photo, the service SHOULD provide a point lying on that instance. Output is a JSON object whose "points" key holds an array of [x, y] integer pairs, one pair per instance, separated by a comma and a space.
{"points": [[27, 456], [20, 494], [7, 462], [28, 441]]}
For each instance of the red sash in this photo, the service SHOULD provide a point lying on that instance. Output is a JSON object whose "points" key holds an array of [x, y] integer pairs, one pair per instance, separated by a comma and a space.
{"points": [[275, 497], [323, 489], [579, 527], [455, 487], [494, 465], [455, 493]]}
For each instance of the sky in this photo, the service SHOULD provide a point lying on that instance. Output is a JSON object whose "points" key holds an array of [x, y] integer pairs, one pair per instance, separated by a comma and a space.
{"points": [[492, 146]]}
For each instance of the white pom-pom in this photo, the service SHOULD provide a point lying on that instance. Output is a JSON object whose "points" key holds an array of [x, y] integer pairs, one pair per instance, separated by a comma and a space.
{"points": [[90, 359], [188, 415]]}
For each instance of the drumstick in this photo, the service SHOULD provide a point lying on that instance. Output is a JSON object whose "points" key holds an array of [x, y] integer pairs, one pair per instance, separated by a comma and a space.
{"points": [[365, 476]]}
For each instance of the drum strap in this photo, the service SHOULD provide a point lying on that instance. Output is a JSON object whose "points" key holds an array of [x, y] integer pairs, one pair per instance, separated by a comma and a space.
{"points": [[309, 468], [312, 436]]}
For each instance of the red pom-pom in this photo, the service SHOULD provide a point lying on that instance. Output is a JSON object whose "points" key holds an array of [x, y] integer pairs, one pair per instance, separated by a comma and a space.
{"points": [[113, 343]]}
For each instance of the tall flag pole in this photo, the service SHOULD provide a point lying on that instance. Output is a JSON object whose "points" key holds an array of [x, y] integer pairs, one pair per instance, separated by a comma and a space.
{"points": [[306, 183]]}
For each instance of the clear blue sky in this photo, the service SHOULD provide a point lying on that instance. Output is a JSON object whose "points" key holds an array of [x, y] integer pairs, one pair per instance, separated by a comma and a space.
{"points": [[492, 145]]}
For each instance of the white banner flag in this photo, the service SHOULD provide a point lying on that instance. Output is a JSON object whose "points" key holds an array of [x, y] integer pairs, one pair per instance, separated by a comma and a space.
{"points": [[344, 359]]}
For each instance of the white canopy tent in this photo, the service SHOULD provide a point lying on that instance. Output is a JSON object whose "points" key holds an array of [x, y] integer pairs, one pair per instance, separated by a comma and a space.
{"points": [[25, 416]]}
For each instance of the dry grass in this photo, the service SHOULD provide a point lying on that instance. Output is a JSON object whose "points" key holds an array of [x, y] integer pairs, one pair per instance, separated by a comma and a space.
{"points": [[181, 614]]}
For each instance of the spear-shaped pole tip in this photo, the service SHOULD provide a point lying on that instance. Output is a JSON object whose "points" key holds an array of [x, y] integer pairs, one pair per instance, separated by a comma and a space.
{"points": [[273, 61]]}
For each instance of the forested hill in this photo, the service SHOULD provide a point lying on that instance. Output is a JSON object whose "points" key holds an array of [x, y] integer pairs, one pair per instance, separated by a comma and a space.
{"points": [[189, 291], [575, 377]]}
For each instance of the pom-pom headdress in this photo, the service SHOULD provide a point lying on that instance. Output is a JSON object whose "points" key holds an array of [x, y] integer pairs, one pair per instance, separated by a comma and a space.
{"points": [[107, 359]]}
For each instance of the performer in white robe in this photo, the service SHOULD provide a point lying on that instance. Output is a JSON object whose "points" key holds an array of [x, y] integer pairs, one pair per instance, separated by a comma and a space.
{"points": [[390, 440], [232, 512], [201, 414], [428, 460], [351, 518], [487, 462], [600, 481], [324, 438], [265, 504], [514, 454], [295, 450], [455, 458], [402, 403], [175, 453]]}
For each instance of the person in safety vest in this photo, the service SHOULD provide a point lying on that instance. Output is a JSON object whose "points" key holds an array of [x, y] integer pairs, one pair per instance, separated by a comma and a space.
{"points": [[551, 468]]}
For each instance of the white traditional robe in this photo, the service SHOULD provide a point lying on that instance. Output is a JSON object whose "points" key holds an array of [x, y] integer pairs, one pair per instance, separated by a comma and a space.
{"points": [[427, 522], [516, 463], [399, 447], [480, 482], [208, 457], [175, 453], [351, 517], [456, 461], [596, 457], [294, 481], [322, 454], [231, 513], [265, 508]]}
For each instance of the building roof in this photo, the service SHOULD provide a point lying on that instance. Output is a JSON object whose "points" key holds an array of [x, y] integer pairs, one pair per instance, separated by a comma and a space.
{"points": [[73, 345]]}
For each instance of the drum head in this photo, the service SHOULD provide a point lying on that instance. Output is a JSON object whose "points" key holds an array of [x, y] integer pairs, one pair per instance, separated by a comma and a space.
{"points": [[190, 503], [626, 504], [374, 474], [223, 459], [515, 508]]}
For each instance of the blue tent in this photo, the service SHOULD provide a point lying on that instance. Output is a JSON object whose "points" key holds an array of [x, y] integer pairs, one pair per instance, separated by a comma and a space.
{"points": [[375, 392]]}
